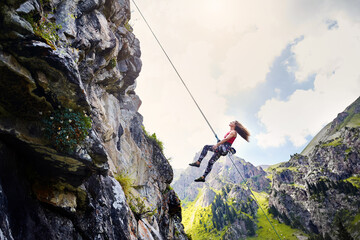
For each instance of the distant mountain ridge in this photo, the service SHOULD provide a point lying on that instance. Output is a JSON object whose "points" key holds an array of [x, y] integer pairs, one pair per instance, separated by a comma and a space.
{"points": [[264, 167]]}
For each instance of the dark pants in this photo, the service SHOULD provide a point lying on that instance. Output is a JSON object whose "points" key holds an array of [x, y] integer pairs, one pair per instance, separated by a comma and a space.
{"points": [[222, 150]]}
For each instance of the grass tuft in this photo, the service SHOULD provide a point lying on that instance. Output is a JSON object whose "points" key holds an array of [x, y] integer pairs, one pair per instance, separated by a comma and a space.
{"points": [[125, 181]]}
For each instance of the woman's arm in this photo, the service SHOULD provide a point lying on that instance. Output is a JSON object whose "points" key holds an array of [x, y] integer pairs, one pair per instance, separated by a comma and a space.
{"points": [[228, 137]]}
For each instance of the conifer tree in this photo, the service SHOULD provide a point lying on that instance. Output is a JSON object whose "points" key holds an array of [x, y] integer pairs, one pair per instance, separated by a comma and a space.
{"points": [[343, 234], [327, 237]]}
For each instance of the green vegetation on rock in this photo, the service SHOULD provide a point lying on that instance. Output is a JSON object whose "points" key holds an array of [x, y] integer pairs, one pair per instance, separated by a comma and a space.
{"points": [[153, 138], [281, 169], [45, 29], [112, 63], [354, 180], [272, 167], [139, 208], [298, 186], [66, 128], [128, 26], [125, 181], [333, 143], [353, 119], [136, 203], [270, 177], [342, 222], [278, 168]]}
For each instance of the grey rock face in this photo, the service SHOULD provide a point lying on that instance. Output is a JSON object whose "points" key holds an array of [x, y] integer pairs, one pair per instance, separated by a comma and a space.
{"points": [[236, 231], [83, 57], [28, 7], [315, 190]]}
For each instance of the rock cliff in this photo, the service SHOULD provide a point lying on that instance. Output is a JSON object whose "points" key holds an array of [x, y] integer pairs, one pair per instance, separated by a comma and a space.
{"points": [[318, 190], [69, 125]]}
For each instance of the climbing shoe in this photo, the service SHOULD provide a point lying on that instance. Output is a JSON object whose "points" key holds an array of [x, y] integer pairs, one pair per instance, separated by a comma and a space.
{"points": [[200, 179], [195, 164]]}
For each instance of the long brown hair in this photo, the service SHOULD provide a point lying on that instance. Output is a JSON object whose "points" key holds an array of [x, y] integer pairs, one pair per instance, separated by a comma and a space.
{"points": [[240, 129]]}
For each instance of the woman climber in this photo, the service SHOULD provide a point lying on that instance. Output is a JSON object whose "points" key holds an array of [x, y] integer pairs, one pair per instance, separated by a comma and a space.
{"points": [[221, 148]]}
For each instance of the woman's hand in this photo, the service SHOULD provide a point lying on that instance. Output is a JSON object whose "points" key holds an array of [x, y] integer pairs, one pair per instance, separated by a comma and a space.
{"points": [[215, 146]]}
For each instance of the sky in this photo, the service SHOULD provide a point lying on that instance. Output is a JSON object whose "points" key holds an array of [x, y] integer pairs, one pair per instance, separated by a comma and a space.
{"points": [[284, 69]]}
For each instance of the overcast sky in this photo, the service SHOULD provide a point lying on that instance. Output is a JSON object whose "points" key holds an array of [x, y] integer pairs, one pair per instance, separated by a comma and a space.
{"points": [[282, 68]]}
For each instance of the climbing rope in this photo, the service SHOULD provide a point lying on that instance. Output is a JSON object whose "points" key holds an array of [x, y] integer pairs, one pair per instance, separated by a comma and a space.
{"points": [[230, 154], [167, 56]]}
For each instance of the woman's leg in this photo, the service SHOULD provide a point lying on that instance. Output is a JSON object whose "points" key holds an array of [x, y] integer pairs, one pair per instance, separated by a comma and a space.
{"points": [[204, 152], [211, 162]]}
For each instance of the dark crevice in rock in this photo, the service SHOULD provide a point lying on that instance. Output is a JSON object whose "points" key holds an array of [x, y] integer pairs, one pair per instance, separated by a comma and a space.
{"points": [[40, 92], [135, 129], [174, 205], [120, 133], [313, 228], [54, 169]]}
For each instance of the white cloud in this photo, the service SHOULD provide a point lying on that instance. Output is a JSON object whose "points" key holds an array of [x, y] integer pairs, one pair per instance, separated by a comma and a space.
{"points": [[294, 119], [332, 56]]}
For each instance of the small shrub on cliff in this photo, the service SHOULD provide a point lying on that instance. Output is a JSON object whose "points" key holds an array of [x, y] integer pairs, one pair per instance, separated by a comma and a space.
{"points": [[66, 128], [112, 63], [138, 207], [128, 26], [137, 204], [188, 235], [125, 181], [153, 138], [45, 29]]}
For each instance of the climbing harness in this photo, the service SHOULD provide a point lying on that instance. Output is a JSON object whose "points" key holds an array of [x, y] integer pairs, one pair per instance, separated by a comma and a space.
{"points": [[231, 151]]}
